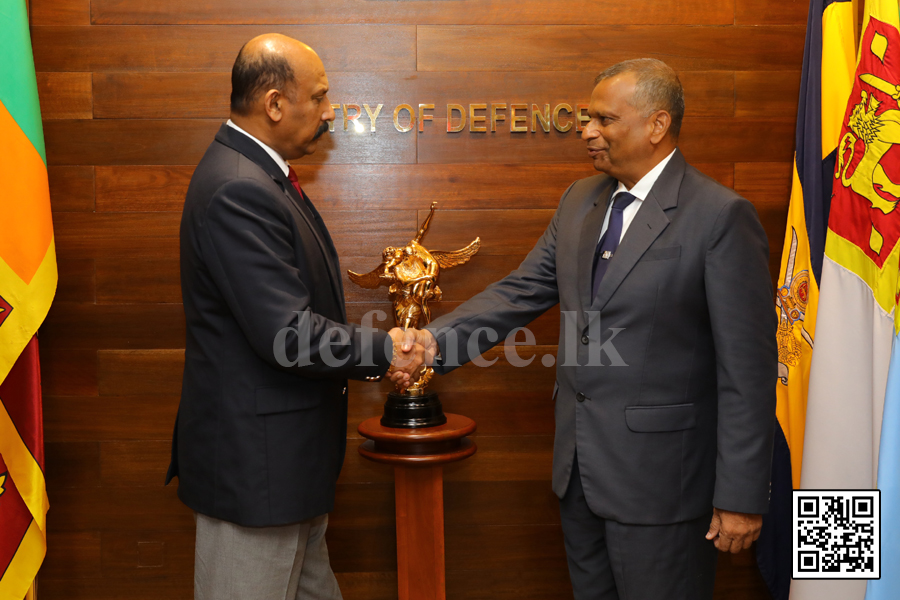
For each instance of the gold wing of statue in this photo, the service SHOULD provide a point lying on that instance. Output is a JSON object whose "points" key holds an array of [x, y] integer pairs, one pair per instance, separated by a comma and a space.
{"points": [[457, 257], [370, 280]]}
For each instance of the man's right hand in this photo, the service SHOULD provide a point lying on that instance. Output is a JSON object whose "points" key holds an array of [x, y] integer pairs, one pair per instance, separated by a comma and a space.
{"points": [[414, 347]]}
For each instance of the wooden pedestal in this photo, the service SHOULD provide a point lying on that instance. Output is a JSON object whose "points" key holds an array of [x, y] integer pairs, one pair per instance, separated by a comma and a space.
{"points": [[418, 456]]}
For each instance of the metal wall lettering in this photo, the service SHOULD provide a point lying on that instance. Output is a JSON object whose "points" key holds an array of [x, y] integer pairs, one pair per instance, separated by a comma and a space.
{"points": [[480, 117]]}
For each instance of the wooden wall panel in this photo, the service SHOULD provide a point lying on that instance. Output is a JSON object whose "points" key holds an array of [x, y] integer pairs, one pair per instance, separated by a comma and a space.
{"points": [[770, 12], [76, 280], [134, 235], [551, 47], [766, 94], [95, 418], [147, 141], [454, 186], [213, 48], [702, 141], [59, 12], [475, 12], [65, 95], [66, 371], [132, 94], [71, 188]]}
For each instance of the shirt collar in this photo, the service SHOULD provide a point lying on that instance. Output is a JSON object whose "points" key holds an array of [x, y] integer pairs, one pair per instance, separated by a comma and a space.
{"points": [[642, 187], [275, 156]]}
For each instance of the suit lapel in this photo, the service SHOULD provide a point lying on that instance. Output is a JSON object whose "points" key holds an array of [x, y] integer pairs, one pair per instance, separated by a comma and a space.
{"points": [[238, 141], [334, 265], [587, 243], [320, 233], [648, 224]]}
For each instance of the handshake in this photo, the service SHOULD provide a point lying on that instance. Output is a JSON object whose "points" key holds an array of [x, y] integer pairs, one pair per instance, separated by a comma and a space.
{"points": [[414, 349]]}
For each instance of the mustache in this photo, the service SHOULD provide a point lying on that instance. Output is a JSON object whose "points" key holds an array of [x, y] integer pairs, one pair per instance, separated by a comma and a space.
{"points": [[322, 129]]}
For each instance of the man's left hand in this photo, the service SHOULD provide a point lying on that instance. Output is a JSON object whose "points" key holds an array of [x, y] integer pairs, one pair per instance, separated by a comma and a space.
{"points": [[733, 531]]}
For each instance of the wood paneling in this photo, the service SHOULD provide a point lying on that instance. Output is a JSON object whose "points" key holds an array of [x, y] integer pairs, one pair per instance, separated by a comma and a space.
{"points": [[135, 463], [213, 48], [76, 280], [72, 464], [122, 95], [74, 328], [337, 187], [141, 188], [71, 189], [501, 232], [118, 589], [107, 418], [66, 371], [766, 94], [138, 280], [357, 233], [65, 95], [59, 12], [140, 555], [770, 12], [768, 186], [120, 509], [476, 12], [533, 582], [132, 93], [703, 140], [140, 372], [134, 235], [72, 555], [149, 142], [554, 48]]}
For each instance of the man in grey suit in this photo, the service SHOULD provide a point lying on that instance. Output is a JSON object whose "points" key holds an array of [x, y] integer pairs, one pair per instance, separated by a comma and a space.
{"points": [[262, 425], [665, 401]]}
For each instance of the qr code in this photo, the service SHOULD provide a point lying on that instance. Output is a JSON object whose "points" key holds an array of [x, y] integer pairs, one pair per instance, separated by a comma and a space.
{"points": [[837, 534]]}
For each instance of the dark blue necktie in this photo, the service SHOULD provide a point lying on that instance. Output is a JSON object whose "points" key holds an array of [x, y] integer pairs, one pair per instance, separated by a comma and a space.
{"points": [[610, 240]]}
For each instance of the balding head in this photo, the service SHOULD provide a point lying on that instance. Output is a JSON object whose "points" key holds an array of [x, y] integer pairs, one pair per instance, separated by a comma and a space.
{"points": [[279, 94], [269, 61]]}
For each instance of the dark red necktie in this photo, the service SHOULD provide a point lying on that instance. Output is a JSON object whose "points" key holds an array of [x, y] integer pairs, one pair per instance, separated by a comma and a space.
{"points": [[304, 205], [295, 181]]}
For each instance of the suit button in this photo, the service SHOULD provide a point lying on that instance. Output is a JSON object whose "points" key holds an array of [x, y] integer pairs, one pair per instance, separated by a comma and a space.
{"points": [[580, 397], [585, 339]]}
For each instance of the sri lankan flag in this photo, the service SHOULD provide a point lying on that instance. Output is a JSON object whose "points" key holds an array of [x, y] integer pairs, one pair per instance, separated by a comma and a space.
{"points": [[826, 79], [27, 286], [859, 291]]}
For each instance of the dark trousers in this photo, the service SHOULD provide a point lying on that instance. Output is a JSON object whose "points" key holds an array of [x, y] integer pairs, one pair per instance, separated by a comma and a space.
{"points": [[615, 561]]}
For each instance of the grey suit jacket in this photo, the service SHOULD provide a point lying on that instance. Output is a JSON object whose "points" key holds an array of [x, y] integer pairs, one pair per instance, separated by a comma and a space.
{"points": [[259, 441], [665, 379]]}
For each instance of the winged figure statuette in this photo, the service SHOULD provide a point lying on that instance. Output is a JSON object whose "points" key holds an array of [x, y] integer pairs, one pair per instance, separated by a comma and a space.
{"points": [[411, 274]]}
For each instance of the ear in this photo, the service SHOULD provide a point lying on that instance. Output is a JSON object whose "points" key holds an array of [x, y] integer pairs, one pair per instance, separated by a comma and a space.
{"points": [[272, 102], [659, 123]]}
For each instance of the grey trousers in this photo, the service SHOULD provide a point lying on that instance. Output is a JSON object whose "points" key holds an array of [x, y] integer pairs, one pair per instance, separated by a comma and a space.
{"points": [[615, 561], [289, 562]]}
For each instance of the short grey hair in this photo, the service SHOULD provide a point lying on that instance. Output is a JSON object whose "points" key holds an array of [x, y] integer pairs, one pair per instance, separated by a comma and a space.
{"points": [[657, 88]]}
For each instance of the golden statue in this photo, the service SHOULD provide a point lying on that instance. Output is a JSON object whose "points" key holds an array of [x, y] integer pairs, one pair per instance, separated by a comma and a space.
{"points": [[411, 272]]}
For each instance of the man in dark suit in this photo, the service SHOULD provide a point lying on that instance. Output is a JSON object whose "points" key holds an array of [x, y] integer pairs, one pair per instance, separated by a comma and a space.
{"points": [[261, 428], [665, 401]]}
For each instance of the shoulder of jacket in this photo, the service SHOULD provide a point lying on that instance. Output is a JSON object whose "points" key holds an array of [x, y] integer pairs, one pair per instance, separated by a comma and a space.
{"points": [[588, 187]]}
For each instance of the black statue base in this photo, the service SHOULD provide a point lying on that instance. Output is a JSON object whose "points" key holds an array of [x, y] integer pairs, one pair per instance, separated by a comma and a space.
{"points": [[406, 411]]}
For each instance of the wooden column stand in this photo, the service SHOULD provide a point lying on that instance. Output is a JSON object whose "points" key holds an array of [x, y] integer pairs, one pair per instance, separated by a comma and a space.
{"points": [[418, 456]]}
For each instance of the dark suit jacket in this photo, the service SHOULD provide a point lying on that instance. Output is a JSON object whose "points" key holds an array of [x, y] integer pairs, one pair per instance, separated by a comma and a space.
{"points": [[260, 442], [687, 305]]}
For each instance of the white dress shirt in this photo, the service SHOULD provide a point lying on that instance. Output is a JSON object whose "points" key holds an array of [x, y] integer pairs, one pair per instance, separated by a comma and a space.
{"points": [[275, 156], [639, 191]]}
